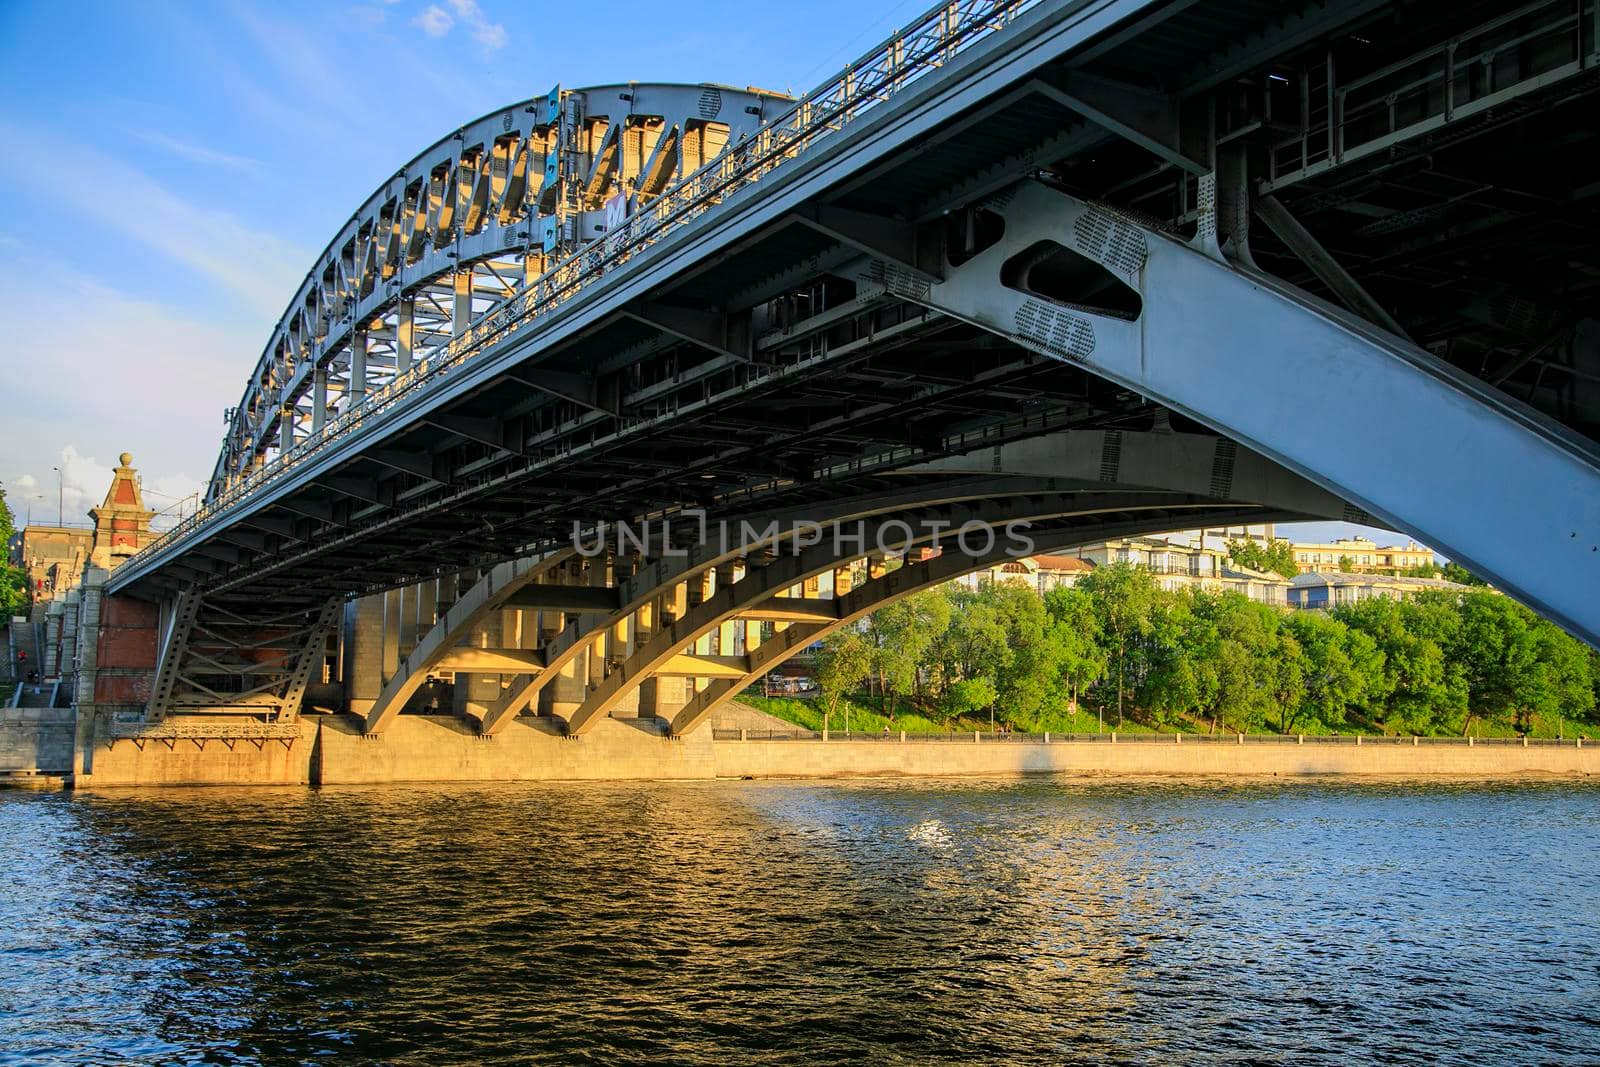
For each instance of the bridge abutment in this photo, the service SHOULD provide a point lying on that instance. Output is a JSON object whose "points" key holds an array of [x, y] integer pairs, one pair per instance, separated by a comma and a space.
{"points": [[332, 750], [115, 663]]}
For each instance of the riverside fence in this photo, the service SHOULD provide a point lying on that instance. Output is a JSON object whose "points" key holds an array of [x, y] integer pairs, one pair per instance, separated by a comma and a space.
{"points": [[981, 737]]}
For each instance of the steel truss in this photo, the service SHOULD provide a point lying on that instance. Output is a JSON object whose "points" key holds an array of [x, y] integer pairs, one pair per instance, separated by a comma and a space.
{"points": [[874, 286]]}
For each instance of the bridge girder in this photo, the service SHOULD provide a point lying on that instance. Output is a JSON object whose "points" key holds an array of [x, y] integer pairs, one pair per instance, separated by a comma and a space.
{"points": [[1225, 345], [847, 327]]}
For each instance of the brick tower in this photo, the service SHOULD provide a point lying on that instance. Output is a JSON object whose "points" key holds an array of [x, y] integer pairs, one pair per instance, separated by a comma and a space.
{"points": [[121, 524]]}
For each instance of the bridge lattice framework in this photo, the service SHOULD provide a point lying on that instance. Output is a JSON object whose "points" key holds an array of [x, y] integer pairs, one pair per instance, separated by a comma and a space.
{"points": [[944, 251]]}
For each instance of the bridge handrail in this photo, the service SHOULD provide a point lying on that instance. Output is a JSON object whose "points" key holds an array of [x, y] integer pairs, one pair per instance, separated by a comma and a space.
{"points": [[923, 45], [723, 733], [171, 731]]}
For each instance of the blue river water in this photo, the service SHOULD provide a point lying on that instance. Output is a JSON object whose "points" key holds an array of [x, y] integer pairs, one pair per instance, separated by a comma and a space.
{"points": [[1036, 921]]}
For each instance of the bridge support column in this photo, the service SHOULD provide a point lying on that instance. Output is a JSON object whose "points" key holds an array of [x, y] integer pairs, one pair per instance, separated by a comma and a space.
{"points": [[83, 697], [661, 698], [476, 692], [461, 304], [392, 604], [363, 653], [319, 398], [356, 388], [405, 330]]}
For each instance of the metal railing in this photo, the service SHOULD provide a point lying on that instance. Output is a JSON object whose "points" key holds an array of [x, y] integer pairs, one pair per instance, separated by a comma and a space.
{"points": [[169, 731], [1467, 75], [925, 45], [984, 737]]}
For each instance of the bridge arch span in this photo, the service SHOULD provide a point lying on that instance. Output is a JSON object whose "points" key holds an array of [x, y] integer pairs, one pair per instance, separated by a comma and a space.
{"points": [[464, 225], [1170, 476], [654, 607], [890, 285]]}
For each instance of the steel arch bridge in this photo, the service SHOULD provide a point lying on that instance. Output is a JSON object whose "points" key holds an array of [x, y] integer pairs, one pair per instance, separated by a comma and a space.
{"points": [[1109, 266]]}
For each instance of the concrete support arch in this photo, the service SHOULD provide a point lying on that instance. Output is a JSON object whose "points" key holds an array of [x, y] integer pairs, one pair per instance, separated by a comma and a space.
{"points": [[684, 617], [1406, 438], [662, 590], [764, 588], [639, 587], [878, 592], [622, 627], [485, 595]]}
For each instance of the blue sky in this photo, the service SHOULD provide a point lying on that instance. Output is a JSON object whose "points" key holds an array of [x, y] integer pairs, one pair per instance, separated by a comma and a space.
{"points": [[172, 169]]}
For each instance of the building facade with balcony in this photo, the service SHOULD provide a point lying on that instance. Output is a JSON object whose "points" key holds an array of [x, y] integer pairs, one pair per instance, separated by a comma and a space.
{"points": [[1174, 565], [1319, 590], [1364, 555]]}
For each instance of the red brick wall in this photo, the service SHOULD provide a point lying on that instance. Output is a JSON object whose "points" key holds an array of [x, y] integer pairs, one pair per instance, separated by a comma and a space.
{"points": [[123, 688], [126, 663], [120, 611]]}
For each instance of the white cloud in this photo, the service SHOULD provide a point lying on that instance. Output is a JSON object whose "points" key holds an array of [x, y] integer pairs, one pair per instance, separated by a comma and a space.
{"points": [[105, 373], [197, 153], [257, 266], [82, 484], [434, 21], [491, 35], [493, 38]]}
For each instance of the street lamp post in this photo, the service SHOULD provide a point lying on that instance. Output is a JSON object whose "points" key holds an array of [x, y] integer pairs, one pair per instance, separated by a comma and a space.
{"points": [[59, 515]]}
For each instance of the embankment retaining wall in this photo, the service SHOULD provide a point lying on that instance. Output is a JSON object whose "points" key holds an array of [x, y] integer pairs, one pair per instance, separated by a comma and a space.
{"points": [[419, 748], [36, 739], [992, 757]]}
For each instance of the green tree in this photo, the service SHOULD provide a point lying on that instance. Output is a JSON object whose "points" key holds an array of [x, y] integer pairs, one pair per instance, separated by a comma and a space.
{"points": [[1026, 675], [1276, 558], [1455, 572], [900, 635], [1287, 669], [1074, 636], [1123, 596], [1422, 691], [1245, 659], [1564, 684], [1180, 659], [967, 695], [13, 580], [1518, 666], [1495, 645], [844, 659], [1341, 668], [975, 643], [1346, 564]]}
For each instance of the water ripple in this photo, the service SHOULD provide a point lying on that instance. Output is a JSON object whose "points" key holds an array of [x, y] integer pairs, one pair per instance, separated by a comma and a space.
{"points": [[1040, 921]]}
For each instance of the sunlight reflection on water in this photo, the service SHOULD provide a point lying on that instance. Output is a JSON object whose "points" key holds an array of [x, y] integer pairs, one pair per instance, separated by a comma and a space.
{"points": [[1042, 920]]}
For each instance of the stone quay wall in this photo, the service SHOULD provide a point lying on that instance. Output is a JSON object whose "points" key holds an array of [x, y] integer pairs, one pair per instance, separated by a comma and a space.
{"points": [[36, 740], [330, 749], [989, 756]]}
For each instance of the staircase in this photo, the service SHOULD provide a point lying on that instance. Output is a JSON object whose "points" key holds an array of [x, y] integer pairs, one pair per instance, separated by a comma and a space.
{"points": [[37, 696], [24, 638]]}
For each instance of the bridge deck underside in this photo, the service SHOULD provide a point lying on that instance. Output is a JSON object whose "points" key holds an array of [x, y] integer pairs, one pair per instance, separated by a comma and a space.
{"points": [[773, 441], [791, 363]]}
